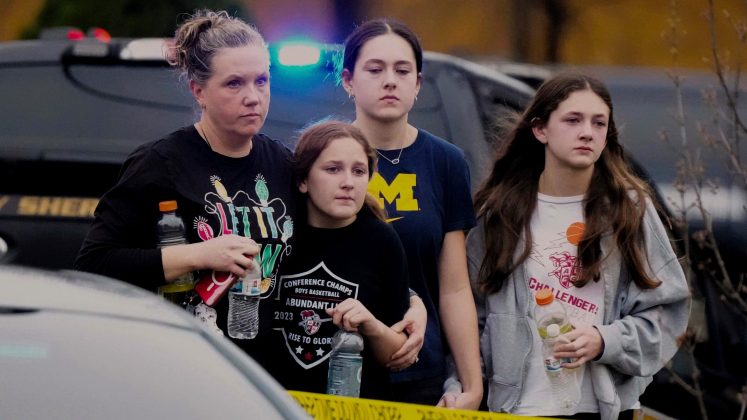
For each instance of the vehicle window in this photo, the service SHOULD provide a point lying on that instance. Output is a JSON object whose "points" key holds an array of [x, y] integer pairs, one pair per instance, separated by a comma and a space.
{"points": [[88, 113], [54, 119]]}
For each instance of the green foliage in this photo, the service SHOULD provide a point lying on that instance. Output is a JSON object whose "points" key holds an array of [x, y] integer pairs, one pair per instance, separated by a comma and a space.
{"points": [[125, 18]]}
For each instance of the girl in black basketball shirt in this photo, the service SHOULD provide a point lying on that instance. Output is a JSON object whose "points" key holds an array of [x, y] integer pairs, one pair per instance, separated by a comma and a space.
{"points": [[347, 270]]}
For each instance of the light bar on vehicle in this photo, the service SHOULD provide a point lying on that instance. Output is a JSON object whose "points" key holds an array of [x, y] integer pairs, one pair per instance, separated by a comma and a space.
{"points": [[298, 53], [75, 34], [72, 33], [99, 33], [146, 49]]}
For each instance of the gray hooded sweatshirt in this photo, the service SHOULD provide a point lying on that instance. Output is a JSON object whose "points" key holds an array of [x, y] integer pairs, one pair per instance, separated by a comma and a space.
{"points": [[640, 328]]}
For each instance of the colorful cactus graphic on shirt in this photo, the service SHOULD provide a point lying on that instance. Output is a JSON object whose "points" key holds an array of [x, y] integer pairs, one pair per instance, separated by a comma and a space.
{"points": [[256, 216]]}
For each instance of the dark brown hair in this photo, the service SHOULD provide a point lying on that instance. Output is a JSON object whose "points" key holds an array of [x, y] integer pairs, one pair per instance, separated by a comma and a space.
{"points": [[371, 29], [507, 199], [316, 138]]}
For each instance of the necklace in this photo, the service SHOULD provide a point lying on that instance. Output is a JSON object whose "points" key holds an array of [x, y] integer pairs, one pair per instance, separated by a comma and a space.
{"points": [[202, 133], [392, 161]]}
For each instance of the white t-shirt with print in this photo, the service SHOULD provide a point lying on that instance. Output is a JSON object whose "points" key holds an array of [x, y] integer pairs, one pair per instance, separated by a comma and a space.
{"points": [[557, 226]]}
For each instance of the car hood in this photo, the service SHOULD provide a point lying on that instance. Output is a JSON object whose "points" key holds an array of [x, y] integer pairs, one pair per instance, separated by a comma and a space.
{"points": [[26, 289]]}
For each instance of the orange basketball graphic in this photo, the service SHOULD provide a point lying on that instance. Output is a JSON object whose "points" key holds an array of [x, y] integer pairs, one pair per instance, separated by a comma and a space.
{"points": [[575, 232]]}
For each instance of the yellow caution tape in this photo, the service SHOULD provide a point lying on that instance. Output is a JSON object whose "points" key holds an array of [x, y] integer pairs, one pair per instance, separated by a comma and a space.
{"points": [[328, 407]]}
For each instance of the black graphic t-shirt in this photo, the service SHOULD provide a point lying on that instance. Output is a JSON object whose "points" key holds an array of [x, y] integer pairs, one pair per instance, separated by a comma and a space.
{"points": [[364, 261], [251, 196]]}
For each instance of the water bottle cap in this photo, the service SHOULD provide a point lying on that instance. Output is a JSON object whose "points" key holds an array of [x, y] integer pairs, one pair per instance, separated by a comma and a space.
{"points": [[544, 296], [347, 341], [553, 330], [167, 205]]}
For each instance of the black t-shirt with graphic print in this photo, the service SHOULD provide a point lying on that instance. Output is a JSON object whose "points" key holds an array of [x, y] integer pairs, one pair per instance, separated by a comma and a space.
{"points": [[364, 260], [251, 196]]}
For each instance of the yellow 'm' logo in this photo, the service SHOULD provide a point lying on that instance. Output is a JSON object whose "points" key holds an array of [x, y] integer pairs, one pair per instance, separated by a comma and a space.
{"points": [[399, 192]]}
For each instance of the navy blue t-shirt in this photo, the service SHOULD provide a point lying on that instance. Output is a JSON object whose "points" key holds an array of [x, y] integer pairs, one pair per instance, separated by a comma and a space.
{"points": [[426, 195]]}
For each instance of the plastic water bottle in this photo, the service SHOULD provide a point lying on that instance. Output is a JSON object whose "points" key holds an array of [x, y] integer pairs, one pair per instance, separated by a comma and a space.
{"points": [[565, 388], [243, 305], [170, 231], [345, 364], [548, 312]]}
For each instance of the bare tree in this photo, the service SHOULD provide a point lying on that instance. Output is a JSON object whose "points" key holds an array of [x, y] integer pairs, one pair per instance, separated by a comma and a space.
{"points": [[723, 135]]}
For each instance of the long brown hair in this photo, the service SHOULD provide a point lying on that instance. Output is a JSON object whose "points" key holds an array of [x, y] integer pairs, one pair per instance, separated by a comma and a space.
{"points": [[507, 199], [316, 138]]}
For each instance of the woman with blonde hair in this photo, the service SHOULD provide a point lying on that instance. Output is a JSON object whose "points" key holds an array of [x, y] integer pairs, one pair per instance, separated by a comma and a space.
{"points": [[233, 186]]}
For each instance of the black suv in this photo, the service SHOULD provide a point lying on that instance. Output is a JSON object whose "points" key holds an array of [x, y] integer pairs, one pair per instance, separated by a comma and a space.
{"points": [[73, 110]]}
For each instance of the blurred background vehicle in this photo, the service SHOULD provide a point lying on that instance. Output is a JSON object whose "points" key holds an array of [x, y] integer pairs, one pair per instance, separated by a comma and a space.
{"points": [[80, 107], [93, 347]]}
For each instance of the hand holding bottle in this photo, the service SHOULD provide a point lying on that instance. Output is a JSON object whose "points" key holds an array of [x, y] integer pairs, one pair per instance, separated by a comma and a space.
{"points": [[581, 344], [227, 253], [231, 253], [351, 315]]}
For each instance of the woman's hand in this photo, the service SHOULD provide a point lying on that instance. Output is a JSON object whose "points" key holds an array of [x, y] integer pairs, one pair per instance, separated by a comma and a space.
{"points": [[583, 344], [413, 324], [231, 253], [351, 315], [462, 401]]}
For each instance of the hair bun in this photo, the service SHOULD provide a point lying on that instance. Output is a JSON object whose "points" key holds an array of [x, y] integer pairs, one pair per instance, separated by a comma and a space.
{"points": [[202, 34]]}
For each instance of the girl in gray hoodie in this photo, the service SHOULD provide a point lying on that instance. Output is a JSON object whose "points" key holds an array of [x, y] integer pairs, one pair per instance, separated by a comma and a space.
{"points": [[562, 210]]}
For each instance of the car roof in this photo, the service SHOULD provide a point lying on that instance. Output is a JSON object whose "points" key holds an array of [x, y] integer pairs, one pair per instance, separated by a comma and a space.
{"points": [[480, 71]]}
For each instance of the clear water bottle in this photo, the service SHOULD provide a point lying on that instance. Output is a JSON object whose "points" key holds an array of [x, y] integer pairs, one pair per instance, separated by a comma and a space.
{"points": [[345, 364], [549, 311], [565, 388], [243, 305], [170, 231]]}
